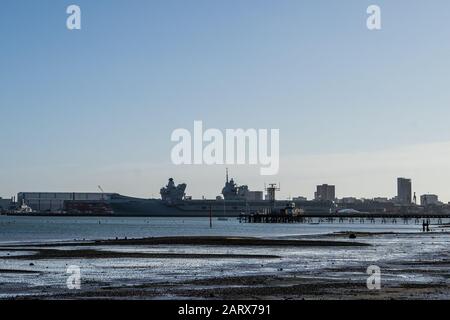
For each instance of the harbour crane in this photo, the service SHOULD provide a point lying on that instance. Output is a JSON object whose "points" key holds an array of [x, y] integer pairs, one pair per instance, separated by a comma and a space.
{"points": [[103, 192]]}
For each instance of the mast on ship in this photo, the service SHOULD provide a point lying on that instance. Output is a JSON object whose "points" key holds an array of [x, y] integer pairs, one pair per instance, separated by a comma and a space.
{"points": [[224, 200], [227, 175]]}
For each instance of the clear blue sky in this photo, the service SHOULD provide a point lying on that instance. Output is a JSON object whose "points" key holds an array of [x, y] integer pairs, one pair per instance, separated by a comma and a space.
{"points": [[75, 102]]}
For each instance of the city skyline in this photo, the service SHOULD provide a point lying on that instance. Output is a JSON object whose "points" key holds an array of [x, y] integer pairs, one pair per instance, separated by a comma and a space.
{"points": [[405, 193]]}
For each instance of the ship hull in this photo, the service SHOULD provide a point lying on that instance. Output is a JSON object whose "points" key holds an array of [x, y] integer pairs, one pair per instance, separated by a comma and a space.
{"points": [[126, 206]]}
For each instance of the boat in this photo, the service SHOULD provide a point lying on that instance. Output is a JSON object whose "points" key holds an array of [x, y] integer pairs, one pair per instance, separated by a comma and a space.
{"points": [[24, 209], [234, 200]]}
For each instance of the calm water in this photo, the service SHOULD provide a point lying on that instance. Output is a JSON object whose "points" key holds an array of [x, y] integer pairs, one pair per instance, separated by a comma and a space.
{"points": [[31, 229]]}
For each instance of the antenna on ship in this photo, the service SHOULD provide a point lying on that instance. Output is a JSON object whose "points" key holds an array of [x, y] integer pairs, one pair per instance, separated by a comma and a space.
{"points": [[224, 200]]}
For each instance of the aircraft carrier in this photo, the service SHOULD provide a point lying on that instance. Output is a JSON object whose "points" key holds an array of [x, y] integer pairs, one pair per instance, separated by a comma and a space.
{"points": [[235, 200]]}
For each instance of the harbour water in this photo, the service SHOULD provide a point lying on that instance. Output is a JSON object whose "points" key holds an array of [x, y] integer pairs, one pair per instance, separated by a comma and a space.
{"points": [[38, 229]]}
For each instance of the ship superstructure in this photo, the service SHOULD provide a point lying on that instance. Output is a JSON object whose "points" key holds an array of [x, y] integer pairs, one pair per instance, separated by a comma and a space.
{"points": [[235, 201]]}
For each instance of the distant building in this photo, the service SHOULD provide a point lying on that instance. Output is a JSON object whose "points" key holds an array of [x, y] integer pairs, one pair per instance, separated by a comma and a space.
{"points": [[325, 192], [429, 199], [348, 200], [381, 200], [5, 204], [299, 198], [54, 201], [404, 191]]}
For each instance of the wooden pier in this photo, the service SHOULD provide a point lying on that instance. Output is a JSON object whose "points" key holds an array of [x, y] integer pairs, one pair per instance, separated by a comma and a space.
{"points": [[345, 218]]}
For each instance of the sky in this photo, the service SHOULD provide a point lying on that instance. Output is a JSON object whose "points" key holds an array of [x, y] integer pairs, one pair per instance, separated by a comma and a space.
{"points": [[97, 106]]}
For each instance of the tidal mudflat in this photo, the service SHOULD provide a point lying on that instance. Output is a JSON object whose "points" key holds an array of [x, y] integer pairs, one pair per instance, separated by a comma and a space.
{"points": [[325, 266]]}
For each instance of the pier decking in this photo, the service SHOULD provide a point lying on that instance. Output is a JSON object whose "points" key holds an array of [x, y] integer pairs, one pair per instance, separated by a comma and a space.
{"points": [[345, 218]]}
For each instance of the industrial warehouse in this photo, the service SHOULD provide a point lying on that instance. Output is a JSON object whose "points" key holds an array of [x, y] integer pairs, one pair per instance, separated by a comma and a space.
{"points": [[55, 201]]}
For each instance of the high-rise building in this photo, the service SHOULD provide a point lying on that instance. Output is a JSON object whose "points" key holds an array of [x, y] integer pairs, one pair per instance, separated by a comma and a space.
{"points": [[404, 191], [325, 192]]}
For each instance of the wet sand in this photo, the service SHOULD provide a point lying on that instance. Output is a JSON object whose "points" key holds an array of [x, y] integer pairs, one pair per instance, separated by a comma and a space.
{"points": [[41, 254], [14, 271], [338, 282], [204, 241], [287, 287], [41, 251]]}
